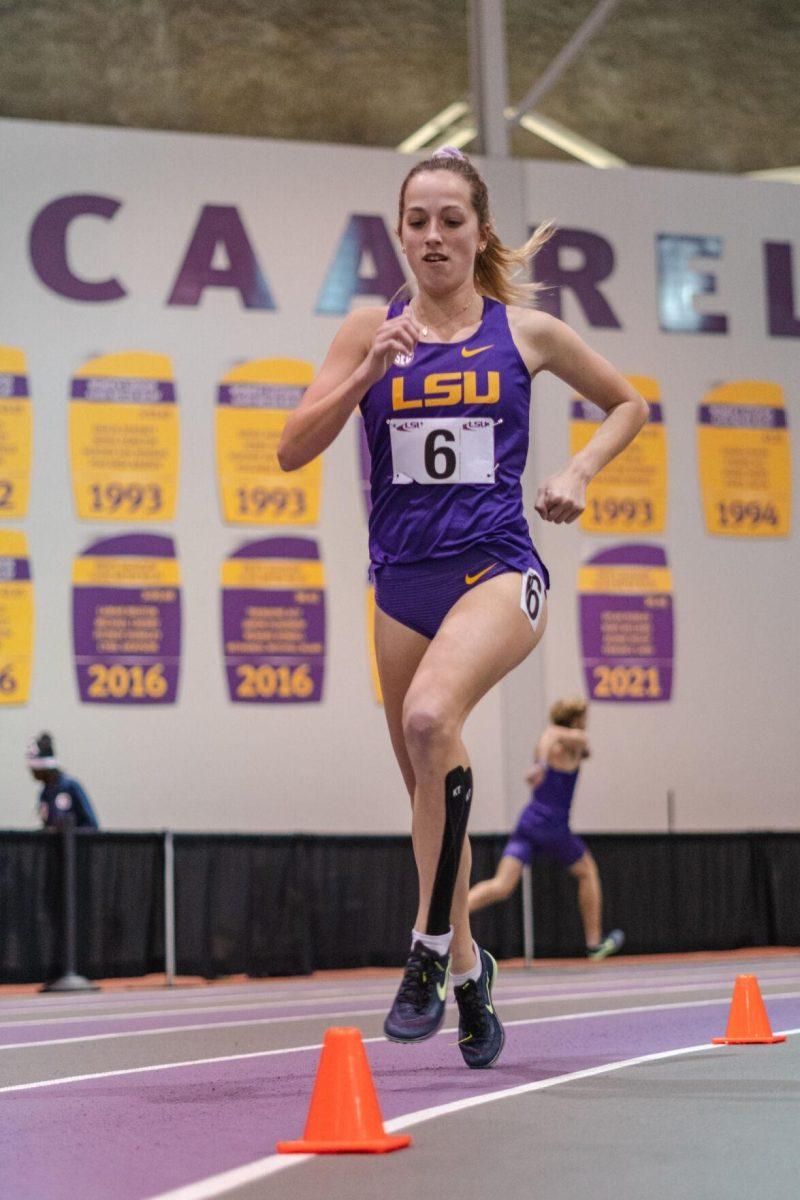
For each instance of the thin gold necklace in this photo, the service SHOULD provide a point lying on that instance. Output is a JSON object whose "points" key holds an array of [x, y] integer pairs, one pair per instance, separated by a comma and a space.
{"points": [[452, 317]]}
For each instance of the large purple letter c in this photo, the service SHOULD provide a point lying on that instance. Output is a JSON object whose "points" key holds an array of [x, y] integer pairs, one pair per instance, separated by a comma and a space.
{"points": [[48, 247]]}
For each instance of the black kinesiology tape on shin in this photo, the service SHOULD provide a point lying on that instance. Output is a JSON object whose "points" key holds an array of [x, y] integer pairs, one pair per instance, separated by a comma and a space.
{"points": [[457, 798]]}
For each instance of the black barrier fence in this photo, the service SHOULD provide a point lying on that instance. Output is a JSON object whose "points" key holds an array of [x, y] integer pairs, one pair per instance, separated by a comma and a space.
{"points": [[290, 904]]}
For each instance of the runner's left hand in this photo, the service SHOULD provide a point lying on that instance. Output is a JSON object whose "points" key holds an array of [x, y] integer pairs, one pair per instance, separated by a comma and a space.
{"points": [[562, 498]]}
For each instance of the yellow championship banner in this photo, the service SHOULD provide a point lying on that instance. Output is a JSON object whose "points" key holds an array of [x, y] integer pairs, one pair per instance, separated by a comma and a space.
{"points": [[124, 438], [15, 434], [16, 619], [744, 460], [254, 401], [373, 661], [630, 494]]}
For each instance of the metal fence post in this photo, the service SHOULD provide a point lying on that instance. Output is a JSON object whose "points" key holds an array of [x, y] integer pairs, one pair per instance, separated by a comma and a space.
{"points": [[69, 980], [169, 909], [527, 915]]}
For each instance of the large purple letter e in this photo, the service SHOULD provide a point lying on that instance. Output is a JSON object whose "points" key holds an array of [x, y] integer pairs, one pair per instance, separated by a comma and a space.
{"points": [[782, 320]]}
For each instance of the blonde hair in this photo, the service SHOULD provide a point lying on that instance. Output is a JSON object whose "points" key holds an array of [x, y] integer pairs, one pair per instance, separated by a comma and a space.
{"points": [[497, 267], [565, 712]]}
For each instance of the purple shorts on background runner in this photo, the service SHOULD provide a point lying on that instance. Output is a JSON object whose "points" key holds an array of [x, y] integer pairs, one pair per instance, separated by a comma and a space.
{"points": [[421, 594], [535, 835]]}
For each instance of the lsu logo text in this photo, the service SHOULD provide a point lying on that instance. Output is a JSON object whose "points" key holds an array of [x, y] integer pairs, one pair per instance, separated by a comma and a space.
{"points": [[449, 387]]}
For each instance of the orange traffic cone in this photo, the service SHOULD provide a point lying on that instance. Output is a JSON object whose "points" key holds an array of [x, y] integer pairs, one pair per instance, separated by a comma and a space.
{"points": [[344, 1116], [748, 1022]]}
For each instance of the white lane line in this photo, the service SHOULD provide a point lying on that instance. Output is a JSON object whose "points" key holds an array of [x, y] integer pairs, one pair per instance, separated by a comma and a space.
{"points": [[219, 994], [503, 999], [145, 1005], [640, 1008], [135, 995], [207, 1027], [86, 1018], [218, 1185], [200, 1062]]}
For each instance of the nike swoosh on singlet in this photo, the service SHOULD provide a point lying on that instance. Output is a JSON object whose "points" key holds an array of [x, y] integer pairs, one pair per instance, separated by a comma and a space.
{"points": [[470, 579], [465, 353]]}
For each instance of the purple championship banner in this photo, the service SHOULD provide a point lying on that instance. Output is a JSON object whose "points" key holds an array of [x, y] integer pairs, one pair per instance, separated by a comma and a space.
{"points": [[126, 620], [273, 622], [626, 624]]}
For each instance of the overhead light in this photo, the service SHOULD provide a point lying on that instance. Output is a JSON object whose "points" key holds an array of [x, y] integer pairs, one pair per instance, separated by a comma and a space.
{"points": [[436, 125], [458, 137], [777, 174], [558, 135], [453, 127]]}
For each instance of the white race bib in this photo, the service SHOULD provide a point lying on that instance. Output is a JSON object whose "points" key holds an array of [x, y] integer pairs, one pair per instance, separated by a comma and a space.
{"points": [[531, 599], [443, 450]]}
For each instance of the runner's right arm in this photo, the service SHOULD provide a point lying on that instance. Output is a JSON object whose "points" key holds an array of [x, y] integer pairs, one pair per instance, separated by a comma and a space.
{"points": [[360, 355]]}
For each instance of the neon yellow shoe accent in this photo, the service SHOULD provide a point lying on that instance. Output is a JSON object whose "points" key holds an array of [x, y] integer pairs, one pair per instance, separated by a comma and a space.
{"points": [[490, 1007]]}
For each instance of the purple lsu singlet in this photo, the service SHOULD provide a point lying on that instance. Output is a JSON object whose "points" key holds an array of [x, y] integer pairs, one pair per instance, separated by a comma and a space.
{"points": [[543, 825], [554, 794], [447, 430]]}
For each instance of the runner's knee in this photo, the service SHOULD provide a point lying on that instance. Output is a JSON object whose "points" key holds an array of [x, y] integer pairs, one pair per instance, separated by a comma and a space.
{"points": [[427, 725]]}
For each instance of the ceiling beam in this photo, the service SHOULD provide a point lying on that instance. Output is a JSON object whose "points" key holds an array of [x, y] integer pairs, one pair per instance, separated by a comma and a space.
{"points": [[597, 17], [490, 119], [488, 74]]}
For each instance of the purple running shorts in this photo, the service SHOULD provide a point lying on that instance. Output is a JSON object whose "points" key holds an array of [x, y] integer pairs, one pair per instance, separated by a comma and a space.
{"points": [[421, 594]]}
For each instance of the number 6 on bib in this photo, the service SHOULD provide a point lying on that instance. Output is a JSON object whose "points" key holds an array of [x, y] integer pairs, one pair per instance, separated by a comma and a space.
{"points": [[531, 599], [447, 450]]}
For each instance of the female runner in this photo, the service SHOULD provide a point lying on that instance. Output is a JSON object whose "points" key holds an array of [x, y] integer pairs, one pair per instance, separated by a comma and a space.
{"points": [[543, 827], [443, 382]]}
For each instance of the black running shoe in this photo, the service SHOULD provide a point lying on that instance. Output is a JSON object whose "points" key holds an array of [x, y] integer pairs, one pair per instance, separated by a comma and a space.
{"points": [[610, 944], [418, 1008], [480, 1034]]}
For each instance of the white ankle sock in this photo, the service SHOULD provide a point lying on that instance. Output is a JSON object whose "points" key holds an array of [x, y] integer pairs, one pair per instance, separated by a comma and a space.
{"points": [[439, 943], [472, 973]]}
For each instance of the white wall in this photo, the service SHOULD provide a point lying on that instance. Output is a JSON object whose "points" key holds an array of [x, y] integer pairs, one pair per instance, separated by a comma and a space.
{"points": [[722, 743]]}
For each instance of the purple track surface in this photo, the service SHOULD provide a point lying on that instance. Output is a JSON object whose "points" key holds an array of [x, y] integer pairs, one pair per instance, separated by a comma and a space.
{"points": [[155, 1127]]}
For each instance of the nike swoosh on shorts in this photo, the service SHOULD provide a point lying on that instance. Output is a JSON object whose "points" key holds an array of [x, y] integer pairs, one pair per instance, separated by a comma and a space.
{"points": [[470, 579]]}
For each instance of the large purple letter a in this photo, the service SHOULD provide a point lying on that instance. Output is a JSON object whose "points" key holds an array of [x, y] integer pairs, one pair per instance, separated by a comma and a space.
{"points": [[365, 236], [220, 226]]}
